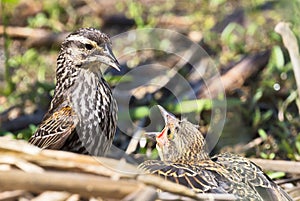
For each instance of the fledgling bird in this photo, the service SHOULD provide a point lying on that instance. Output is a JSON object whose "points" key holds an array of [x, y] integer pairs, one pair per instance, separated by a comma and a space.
{"points": [[184, 160], [82, 116]]}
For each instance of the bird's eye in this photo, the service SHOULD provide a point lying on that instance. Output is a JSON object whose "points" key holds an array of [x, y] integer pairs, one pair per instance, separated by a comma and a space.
{"points": [[169, 134], [89, 46]]}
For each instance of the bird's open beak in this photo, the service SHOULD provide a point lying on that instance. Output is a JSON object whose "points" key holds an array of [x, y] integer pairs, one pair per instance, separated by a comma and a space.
{"points": [[109, 58], [166, 115], [157, 137]]}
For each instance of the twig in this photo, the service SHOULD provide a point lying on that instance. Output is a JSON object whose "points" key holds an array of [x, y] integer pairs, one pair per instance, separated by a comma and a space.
{"points": [[52, 196], [135, 138], [18, 151], [83, 184], [21, 122], [278, 165], [20, 163], [200, 196], [23, 32], [288, 180], [74, 197], [291, 44], [294, 192], [236, 76], [145, 194], [35, 37], [11, 195], [166, 185], [251, 144], [214, 196], [242, 148]]}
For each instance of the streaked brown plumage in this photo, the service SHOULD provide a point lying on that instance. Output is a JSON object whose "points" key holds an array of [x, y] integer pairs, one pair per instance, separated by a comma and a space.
{"points": [[185, 161], [82, 115]]}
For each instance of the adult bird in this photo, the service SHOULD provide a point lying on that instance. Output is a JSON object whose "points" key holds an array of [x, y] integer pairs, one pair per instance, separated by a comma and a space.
{"points": [[83, 113], [184, 160]]}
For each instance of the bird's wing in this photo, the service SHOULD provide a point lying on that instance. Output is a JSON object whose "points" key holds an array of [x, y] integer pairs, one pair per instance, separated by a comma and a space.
{"points": [[252, 175], [55, 129], [203, 177], [199, 178]]}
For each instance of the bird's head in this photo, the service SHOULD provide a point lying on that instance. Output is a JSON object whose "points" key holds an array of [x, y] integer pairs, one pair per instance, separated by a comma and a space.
{"points": [[88, 48], [179, 141]]}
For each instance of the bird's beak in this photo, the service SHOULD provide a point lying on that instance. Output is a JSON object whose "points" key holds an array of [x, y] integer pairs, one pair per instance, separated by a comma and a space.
{"points": [[157, 137], [109, 58], [166, 115], [152, 135]]}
